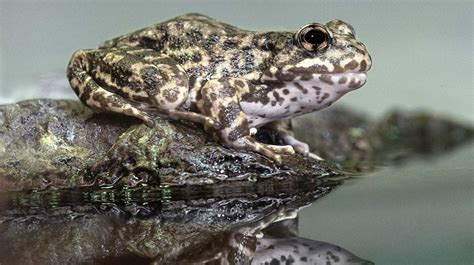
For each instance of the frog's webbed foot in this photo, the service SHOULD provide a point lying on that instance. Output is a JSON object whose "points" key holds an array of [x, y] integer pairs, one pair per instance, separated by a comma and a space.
{"points": [[273, 152], [282, 128], [299, 146]]}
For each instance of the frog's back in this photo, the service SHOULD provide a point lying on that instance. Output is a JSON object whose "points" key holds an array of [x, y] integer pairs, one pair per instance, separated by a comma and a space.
{"points": [[201, 22], [188, 27]]}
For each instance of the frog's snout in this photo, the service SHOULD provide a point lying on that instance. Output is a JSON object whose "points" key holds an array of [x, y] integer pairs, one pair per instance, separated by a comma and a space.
{"points": [[368, 60]]}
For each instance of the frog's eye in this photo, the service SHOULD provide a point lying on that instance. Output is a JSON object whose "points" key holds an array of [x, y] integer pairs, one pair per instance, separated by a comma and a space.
{"points": [[313, 37]]}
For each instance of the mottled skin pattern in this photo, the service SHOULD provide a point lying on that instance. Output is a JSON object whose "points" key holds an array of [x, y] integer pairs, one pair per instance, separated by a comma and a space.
{"points": [[297, 250], [232, 81]]}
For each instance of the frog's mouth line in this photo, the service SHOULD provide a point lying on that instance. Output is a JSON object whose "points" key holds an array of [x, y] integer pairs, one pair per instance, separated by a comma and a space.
{"points": [[347, 81]]}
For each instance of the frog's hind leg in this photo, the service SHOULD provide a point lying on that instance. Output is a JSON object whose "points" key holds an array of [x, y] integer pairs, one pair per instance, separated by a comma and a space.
{"points": [[95, 96], [206, 121]]}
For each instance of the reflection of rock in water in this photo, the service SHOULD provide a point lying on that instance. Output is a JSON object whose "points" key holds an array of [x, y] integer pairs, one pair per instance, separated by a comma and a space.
{"points": [[222, 232], [184, 231], [189, 226]]}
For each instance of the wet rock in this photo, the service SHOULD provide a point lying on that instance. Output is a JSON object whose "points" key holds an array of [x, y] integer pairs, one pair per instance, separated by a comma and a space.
{"points": [[48, 143], [55, 143]]}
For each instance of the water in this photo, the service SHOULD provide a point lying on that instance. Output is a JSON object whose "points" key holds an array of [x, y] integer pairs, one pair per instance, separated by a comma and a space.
{"points": [[417, 213]]}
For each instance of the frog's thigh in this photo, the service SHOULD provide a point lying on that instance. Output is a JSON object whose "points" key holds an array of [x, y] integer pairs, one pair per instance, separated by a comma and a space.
{"points": [[220, 101], [161, 77], [96, 97], [163, 80]]}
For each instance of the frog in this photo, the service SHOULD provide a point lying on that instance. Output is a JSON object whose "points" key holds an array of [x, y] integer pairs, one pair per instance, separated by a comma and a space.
{"points": [[232, 81]]}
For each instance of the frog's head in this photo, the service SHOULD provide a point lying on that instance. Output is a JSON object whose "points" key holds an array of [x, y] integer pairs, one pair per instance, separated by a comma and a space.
{"points": [[328, 58]]}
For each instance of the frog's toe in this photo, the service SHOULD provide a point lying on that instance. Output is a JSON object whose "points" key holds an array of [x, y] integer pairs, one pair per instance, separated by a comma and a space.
{"points": [[214, 124], [302, 148], [281, 149], [271, 155], [299, 146], [269, 151], [148, 121], [277, 159], [315, 156]]}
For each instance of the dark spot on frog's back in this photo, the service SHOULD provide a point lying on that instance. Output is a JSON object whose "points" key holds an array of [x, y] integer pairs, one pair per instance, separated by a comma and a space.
{"points": [[363, 65], [170, 95], [211, 41], [239, 131], [149, 42], [337, 68], [230, 44], [257, 95], [212, 96], [228, 114], [196, 57], [307, 73], [351, 65], [354, 83], [239, 83], [326, 79], [282, 77], [194, 35], [342, 80], [178, 25], [151, 79]]}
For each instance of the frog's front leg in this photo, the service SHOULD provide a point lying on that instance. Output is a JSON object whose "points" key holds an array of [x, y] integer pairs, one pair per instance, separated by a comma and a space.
{"points": [[220, 101]]}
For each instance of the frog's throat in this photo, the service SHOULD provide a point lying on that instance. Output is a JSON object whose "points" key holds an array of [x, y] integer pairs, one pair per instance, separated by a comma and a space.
{"points": [[303, 94]]}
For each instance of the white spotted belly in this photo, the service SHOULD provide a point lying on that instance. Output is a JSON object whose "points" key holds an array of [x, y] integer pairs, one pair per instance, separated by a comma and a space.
{"points": [[299, 96]]}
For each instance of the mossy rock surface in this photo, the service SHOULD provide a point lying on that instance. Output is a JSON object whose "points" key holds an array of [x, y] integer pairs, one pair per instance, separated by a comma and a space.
{"points": [[61, 143]]}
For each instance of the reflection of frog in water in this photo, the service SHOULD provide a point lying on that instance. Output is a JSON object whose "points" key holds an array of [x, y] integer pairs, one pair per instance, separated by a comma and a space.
{"points": [[230, 80], [282, 245]]}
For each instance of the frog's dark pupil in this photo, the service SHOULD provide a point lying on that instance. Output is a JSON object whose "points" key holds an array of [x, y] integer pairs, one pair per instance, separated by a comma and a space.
{"points": [[315, 36]]}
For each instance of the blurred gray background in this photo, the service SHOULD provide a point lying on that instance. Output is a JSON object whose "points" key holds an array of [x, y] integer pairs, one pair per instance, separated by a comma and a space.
{"points": [[419, 213], [422, 50]]}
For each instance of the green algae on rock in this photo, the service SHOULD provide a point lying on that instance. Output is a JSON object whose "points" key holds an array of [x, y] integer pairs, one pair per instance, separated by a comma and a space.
{"points": [[54, 143]]}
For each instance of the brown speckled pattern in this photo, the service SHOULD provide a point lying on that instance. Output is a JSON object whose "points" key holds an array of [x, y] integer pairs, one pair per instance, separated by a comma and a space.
{"points": [[231, 80]]}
